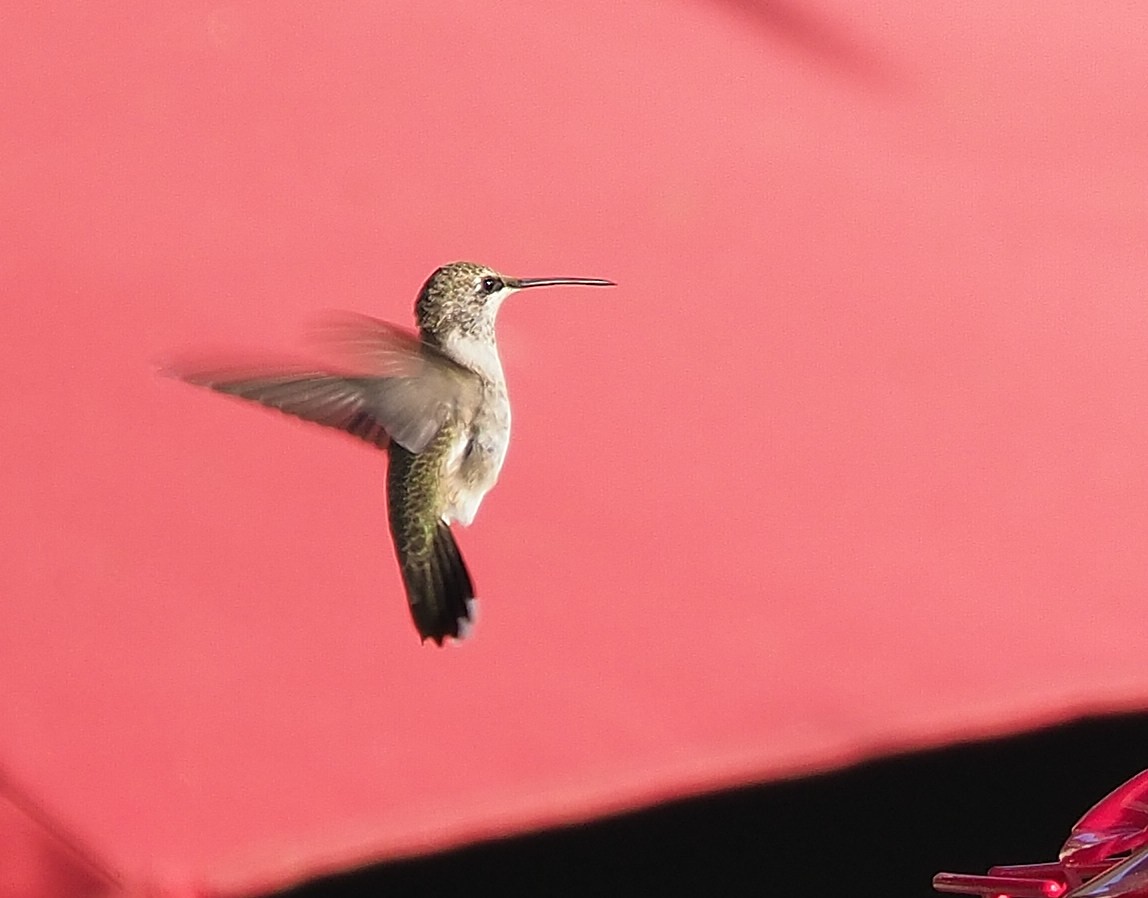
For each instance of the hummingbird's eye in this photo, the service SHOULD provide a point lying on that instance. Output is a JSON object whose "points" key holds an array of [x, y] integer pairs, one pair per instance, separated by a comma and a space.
{"points": [[490, 285]]}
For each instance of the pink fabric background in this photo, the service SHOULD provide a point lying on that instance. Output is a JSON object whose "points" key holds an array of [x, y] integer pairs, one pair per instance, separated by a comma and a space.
{"points": [[852, 460]]}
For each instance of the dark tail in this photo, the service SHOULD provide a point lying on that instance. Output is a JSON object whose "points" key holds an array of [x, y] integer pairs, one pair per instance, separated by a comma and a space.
{"points": [[439, 588]]}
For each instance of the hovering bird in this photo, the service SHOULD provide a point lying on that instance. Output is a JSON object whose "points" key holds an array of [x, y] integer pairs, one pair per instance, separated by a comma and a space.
{"points": [[436, 403]]}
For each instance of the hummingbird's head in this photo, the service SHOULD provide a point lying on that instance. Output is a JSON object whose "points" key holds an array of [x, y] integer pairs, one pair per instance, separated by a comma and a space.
{"points": [[463, 299], [461, 296]]}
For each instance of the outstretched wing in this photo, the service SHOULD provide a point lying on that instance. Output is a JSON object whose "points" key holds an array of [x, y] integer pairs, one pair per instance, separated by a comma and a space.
{"points": [[395, 387]]}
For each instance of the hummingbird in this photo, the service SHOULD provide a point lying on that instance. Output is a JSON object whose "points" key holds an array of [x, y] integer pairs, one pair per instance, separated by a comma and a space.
{"points": [[436, 402]]}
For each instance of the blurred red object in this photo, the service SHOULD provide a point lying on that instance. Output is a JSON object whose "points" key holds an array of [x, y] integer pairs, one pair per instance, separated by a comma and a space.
{"points": [[1106, 856]]}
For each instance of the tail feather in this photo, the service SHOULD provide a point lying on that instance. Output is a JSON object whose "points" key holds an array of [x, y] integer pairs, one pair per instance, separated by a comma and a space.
{"points": [[439, 588]]}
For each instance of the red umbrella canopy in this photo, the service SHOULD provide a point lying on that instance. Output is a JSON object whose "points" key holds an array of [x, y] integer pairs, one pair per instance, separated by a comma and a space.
{"points": [[851, 460]]}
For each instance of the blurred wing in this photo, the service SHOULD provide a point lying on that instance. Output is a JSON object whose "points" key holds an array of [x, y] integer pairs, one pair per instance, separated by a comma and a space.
{"points": [[379, 348], [324, 398], [411, 385], [398, 388]]}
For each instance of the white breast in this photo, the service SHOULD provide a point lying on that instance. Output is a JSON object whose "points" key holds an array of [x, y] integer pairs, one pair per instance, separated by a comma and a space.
{"points": [[472, 468], [475, 460], [478, 355]]}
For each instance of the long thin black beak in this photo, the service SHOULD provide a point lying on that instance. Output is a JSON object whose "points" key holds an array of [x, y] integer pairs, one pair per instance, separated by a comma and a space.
{"points": [[523, 283]]}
